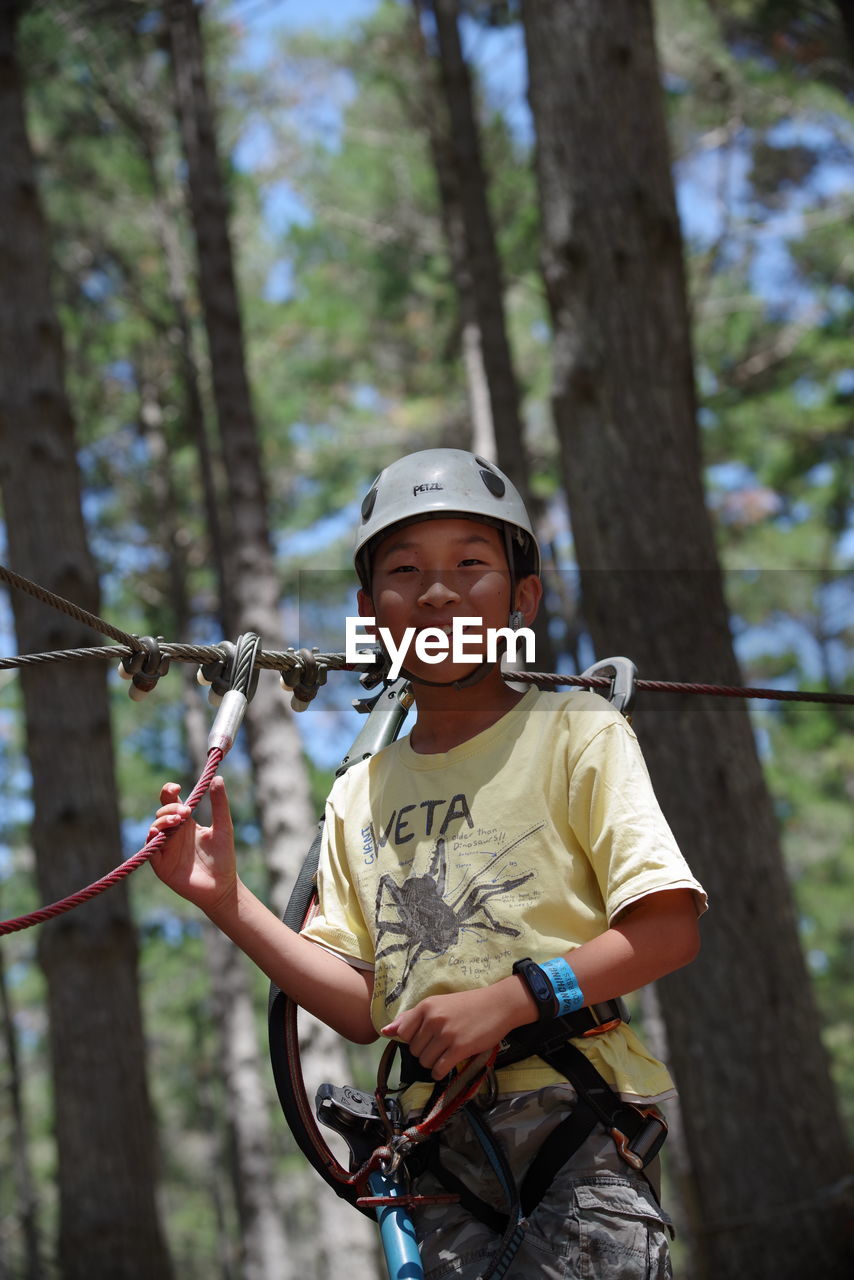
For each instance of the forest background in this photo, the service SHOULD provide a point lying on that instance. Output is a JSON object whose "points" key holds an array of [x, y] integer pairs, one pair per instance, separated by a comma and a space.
{"points": [[222, 452]]}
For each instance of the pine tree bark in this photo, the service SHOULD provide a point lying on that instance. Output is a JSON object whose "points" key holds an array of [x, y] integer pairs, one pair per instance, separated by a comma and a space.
{"points": [[450, 121], [249, 572], [251, 586], [761, 1121], [470, 233], [109, 1227], [26, 1211], [262, 1246]]}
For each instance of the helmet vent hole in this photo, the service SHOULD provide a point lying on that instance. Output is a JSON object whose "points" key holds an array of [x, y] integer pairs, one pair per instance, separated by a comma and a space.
{"points": [[493, 482], [368, 502]]}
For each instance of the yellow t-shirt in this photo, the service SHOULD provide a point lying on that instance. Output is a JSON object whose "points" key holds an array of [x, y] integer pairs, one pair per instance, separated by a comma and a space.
{"points": [[439, 871]]}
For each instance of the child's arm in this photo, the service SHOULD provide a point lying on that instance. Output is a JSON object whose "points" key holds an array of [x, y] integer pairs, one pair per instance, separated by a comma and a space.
{"points": [[652, 938], [199, 864]]}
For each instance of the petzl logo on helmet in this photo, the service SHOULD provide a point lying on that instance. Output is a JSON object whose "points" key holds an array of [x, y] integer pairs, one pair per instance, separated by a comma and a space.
{"points": [[426, 488]]}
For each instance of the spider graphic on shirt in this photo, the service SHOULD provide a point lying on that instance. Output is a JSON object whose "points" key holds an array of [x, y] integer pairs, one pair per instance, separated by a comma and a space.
{"points": [[421, 914]]}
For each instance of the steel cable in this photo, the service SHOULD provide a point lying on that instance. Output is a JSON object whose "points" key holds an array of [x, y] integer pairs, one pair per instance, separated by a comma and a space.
{"points": [[548, 680], [290, 659], [68, 606]]}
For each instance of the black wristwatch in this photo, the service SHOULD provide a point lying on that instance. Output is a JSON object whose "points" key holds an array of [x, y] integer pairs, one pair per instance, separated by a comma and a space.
{"points": [[539, 986]]}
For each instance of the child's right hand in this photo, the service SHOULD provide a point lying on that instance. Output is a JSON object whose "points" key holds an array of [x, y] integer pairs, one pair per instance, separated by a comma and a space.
{"points": [[197, 862]]}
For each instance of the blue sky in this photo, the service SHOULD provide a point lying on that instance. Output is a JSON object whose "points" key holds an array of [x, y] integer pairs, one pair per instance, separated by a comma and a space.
{"points": [[259, 17]]}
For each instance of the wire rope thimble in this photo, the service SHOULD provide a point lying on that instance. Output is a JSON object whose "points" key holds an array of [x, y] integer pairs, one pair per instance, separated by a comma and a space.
{"points": [[239, 682], [243, 670], [304, 678], [144, 667]]}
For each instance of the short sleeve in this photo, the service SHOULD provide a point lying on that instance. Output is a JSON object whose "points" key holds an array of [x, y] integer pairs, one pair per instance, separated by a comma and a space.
{"points": [[339, 923], [618, 822]]}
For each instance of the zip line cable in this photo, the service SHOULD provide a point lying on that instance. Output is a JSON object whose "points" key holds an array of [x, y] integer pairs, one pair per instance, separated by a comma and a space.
{"points": [[291, 660], [547, 680], [68, 606], [235, 667]]}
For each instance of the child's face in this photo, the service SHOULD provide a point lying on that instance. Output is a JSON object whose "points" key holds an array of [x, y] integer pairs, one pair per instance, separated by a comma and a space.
{"points": [[427, 574]]}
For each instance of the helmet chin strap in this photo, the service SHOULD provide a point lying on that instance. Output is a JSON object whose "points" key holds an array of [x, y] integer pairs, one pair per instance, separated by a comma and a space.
{"points": [[480, 672]]}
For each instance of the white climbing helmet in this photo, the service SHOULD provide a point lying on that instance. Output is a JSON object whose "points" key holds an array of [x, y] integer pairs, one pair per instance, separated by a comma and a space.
{"points": [[446, 482]]}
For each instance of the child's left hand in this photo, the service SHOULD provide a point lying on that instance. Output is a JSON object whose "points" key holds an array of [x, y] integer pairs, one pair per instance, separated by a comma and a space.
{"points": [[444, 1030]]}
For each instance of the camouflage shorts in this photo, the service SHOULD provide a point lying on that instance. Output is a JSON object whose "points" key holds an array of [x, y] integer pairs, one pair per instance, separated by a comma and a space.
{"points": [[597, 1219]]}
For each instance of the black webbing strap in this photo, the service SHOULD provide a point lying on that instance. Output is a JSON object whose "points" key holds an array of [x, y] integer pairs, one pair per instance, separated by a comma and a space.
{"points": [[531, 1040], [486, 1213], [561, 1144], [637, 1132]]}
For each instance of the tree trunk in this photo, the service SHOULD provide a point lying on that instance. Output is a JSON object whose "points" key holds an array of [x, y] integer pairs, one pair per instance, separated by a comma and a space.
{"points": [[450, 120], [250, 583], [109, 1228], [761, 1122], [249, 572], [470, 234], [846, 13], [26, 1211], [262, 1247]]}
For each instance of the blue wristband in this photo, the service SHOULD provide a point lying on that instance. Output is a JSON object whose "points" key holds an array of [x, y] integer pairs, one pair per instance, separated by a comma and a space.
{"points": [[564, 984]]}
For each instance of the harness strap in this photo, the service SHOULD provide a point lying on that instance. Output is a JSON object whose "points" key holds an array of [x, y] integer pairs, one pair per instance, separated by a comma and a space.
{"points": [[486, 1213], [561, 1144], [514, 1230], [534, 1039], [638, 1132]]}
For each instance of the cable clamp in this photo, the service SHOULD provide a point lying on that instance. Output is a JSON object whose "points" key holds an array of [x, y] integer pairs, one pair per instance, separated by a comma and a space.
{"points": [[213, 674], [144, 667], [304, 678]]}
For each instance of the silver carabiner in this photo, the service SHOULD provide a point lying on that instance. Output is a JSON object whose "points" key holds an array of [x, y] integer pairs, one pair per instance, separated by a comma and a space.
{"points": [[623, 676]]}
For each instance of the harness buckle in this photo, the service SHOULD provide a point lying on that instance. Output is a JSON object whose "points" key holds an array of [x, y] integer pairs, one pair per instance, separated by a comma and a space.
{"points": [[602, 1028], [607, 1016], [647, 1141]]}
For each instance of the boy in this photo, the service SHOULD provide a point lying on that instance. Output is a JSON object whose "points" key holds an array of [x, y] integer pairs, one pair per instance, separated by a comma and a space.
{"points": [[507, 828]]}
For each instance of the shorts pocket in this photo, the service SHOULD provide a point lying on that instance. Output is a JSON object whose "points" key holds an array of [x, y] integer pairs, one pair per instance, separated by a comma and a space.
{"points": [[622, 1233]]}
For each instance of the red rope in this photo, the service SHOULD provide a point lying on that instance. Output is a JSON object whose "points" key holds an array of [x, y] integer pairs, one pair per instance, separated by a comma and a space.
{"points": [[461, 1088], [15, 925]]}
